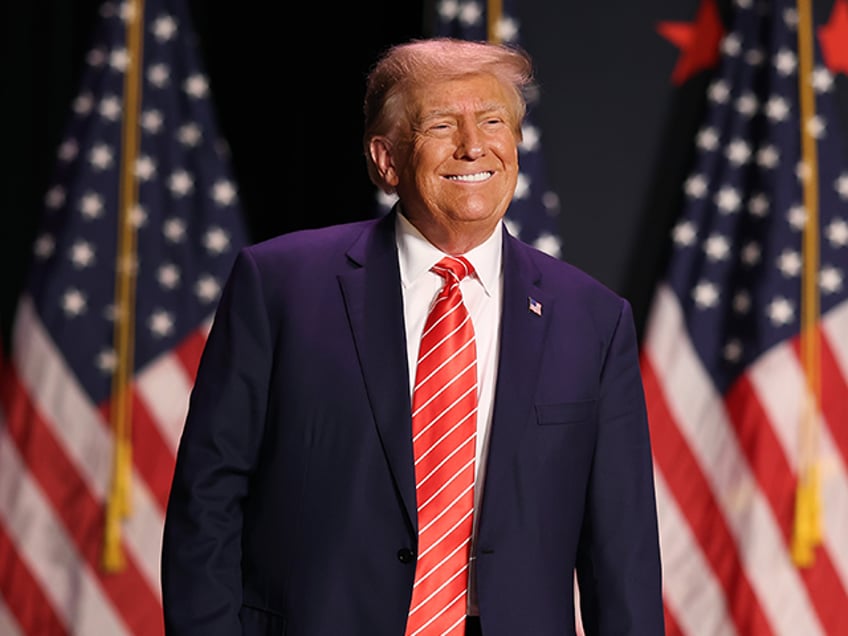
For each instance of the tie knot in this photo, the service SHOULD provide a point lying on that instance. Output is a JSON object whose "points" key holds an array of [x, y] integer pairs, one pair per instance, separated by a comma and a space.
{"points": [[457, 267]]}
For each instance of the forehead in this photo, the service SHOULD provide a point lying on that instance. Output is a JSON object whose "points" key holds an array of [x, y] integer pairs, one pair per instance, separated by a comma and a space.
{"points": [[473, 93]]}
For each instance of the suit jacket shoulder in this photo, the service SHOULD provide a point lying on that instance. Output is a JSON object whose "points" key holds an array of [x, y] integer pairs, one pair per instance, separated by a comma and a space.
{"points": [[566, 282]]}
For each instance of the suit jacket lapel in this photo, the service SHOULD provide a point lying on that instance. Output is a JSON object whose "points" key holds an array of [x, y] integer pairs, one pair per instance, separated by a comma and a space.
{"points": [[372, 294], [522, 338]]}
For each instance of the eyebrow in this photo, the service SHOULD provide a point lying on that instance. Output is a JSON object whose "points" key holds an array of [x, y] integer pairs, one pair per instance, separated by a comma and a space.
{"points": [[486, 108]]}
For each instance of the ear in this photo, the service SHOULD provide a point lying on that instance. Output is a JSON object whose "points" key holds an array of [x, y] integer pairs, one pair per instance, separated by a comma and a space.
{"points": [[381, 154]]}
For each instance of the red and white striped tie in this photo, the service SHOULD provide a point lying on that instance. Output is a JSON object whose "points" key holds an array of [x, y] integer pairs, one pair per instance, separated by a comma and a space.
{"points": [[444, 432]]}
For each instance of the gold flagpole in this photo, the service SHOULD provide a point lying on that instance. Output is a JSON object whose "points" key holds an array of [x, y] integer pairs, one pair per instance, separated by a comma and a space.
{"points": [[494, 11], [807, 530], [119, 497]]}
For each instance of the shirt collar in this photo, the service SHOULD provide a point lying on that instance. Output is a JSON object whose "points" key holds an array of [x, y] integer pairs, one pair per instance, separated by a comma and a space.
{"points": [[416, 255]]}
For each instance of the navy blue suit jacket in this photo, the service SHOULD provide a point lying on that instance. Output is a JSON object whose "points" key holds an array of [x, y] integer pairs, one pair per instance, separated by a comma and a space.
{"points": [[292, 509]]}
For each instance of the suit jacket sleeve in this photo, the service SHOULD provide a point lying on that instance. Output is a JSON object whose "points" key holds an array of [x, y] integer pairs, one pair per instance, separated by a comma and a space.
{"points": [[619, 565], [201, 556]]}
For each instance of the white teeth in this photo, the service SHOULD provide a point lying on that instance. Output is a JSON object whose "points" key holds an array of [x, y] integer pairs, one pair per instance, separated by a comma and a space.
{"points": [[479, 176]]}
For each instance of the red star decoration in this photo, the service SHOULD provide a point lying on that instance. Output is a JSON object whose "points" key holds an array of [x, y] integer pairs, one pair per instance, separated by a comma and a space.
{"points": [[833, 38], [698, 41]]}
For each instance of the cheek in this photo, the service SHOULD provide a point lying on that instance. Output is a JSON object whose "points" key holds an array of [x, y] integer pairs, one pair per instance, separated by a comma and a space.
{"points": [[432, 150], [510, 162], [513, 150], [507, 150]]}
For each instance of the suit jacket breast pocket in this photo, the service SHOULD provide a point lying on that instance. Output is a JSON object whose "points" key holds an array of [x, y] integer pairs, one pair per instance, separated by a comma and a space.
{"points": [[565, 413]]}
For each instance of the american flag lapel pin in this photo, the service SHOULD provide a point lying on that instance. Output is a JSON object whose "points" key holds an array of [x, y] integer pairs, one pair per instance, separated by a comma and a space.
{"points": [[534, 305]]}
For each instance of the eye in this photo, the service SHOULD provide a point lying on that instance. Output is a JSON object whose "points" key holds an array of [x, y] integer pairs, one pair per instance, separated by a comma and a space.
{"points": [[440, 129]]}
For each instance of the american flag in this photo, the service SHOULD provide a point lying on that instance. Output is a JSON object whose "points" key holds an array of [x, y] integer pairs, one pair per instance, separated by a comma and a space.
{"points": [[533, 215], [125, 276], [745, 354]]}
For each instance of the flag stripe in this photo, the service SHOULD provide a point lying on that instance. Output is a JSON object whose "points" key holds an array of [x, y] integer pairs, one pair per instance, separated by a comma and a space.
{"points": [[78, 510], [22, 594], [834, 405], [9, 626], [671, 626], [778, 480], [191, 349], [162, 390], [834, 388], [763, 452], [152, 457], [84, 437], [683, 475], [716, 454], [782, 368], [36, 532], [681, 553], [835, 326]]}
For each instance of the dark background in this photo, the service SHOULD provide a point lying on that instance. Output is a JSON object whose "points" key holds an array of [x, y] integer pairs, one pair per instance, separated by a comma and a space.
{"points": [[288, 84]]}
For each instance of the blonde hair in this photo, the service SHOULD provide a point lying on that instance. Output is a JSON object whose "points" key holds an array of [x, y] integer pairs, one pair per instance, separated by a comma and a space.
{"points": [[420, 62]]}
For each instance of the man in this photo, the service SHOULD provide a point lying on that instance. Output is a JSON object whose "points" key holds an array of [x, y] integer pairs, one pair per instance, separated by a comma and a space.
{"points": [[316, 481]]}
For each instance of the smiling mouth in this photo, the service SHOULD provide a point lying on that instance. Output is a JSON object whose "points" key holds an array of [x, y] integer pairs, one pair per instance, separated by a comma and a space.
{"points": [[471, 178]]}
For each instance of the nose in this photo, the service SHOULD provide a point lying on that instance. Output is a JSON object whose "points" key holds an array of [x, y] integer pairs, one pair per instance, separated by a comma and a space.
{"points": [[470, 144]]}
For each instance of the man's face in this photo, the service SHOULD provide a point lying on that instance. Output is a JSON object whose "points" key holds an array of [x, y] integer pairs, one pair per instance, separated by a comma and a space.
{"points": [[456, 171]]}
